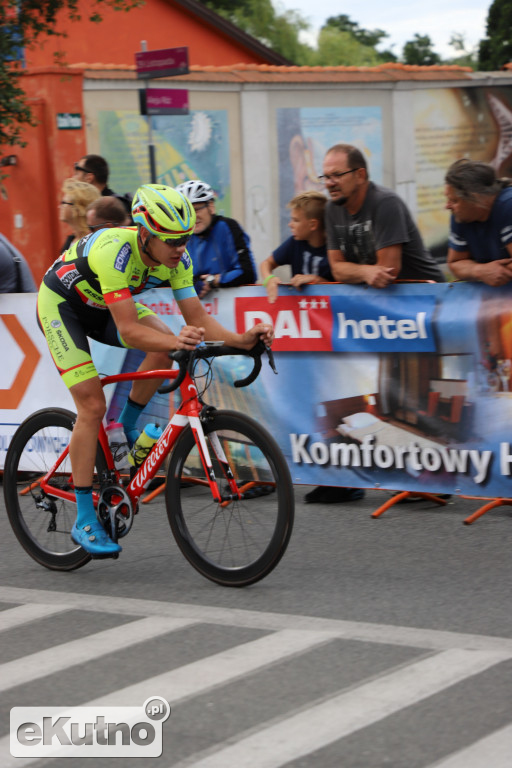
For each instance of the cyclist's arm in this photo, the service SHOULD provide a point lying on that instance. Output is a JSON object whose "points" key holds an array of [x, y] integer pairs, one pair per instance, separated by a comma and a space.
{"points": [[196, 315], [139, 335]]}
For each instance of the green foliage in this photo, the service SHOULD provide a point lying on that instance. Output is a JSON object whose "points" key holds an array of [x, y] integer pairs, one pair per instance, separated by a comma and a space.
{"points": [[367, 38], [419, 51], [22, 23], [278, 31], [467, 57], [339, 48], [496, 48]]}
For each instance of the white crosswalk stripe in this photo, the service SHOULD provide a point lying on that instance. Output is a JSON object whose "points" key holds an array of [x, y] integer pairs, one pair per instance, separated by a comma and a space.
{"points": [[24, 614], [442, 660], [60, 657], [495, 751], [332, 720]]}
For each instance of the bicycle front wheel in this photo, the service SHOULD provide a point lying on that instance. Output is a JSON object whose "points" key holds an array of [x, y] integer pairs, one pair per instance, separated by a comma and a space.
{"points": [[42, 522], [239, 541]]}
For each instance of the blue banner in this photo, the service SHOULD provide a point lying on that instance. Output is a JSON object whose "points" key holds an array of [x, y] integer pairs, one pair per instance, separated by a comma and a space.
{"points": [[408, 388]]}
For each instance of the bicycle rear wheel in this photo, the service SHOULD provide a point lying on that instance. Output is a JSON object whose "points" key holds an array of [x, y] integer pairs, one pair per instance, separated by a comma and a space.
{"points": [[42, 523], [240, 541]]}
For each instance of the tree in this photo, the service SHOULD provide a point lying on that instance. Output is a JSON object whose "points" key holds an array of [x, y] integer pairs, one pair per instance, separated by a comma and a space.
{"points": [[279, 31], [337, 48], [22, 24], [419, 51], [467, 57], [370, 38], [496, 48]]}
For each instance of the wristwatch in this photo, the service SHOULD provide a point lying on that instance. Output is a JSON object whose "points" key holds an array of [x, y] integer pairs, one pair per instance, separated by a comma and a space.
{"points": [[210, 282]]}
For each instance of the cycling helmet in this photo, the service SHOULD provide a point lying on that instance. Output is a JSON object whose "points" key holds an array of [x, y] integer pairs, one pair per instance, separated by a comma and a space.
{"points": [[196, 191], [163, 211]]}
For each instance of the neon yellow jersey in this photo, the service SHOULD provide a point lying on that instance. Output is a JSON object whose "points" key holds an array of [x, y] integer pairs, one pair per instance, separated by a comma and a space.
{"points": [[105, 267]]}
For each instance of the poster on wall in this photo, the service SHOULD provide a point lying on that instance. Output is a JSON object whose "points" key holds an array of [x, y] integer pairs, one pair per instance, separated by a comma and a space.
{"points": [[194, 146], [451, 123], [305, 134]]}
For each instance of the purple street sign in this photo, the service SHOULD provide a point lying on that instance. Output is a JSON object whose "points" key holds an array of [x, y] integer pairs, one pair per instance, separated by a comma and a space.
{"points": [[166, 101], [162, 63]]}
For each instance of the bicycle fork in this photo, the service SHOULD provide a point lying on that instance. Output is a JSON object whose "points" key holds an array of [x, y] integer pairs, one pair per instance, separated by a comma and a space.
{"points": [[204, 453]]}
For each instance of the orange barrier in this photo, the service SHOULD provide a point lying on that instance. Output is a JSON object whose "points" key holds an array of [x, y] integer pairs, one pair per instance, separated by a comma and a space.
{"points": [[491, 504], [405, 495]]}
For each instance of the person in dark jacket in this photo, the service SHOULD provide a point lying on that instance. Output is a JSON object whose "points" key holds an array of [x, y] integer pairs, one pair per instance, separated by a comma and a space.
{"points": [[219, 248]]}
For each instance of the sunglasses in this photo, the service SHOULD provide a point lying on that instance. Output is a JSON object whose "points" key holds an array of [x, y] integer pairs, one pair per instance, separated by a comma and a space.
{"points": [[64, 202], [78, 167], [176, 242]]}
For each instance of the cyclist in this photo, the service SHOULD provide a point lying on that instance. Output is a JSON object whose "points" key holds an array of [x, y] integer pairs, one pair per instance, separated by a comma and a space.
{"points": [[220, 249], [89, 292]]}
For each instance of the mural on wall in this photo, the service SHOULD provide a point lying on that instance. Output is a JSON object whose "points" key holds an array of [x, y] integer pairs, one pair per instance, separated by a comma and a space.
{"points": [[305, 134], [450, 123], [194, 146]]}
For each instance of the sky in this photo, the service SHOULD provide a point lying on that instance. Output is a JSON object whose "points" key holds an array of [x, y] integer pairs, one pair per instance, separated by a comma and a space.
{"points": [[402, 19]]}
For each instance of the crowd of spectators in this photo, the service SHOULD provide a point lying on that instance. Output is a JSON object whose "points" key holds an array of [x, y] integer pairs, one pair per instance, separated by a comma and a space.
{"points": [[359, 233]]}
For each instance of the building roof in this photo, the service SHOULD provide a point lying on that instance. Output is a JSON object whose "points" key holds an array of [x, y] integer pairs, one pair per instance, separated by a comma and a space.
{"points": [[231, 30], [264, 73]]}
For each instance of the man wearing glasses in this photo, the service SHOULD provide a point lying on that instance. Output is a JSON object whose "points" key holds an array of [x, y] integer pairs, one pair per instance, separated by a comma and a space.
{"points": [[94, 170], [371, 236]]}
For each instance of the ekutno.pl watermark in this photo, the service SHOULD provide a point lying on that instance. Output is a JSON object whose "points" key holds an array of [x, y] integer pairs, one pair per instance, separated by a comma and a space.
{"points": [[89, 731]]}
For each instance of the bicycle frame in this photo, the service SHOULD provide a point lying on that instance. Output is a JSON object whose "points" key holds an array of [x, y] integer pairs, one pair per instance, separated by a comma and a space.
{"points": [[187, 413]]}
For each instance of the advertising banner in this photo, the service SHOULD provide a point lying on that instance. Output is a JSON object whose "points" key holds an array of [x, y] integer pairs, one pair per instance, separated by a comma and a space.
{"points": [[406, 388]]}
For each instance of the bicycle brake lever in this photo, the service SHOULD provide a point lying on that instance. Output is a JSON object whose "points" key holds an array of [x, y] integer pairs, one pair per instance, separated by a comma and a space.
{"points": [[271, 360]]}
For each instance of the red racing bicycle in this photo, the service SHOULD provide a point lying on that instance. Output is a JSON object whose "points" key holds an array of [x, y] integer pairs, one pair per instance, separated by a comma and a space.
{"points": [[228, 494]]}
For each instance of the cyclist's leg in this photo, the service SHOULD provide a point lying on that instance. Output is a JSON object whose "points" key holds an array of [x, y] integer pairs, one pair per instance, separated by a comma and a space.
{"points": [[90, 407], [67, 340], [142, 391]]}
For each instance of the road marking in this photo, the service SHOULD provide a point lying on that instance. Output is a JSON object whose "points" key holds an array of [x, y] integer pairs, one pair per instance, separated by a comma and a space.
{"points": [[493, 751], [199, 676], [23, 614], [325, 723], [214, 671], [85, 649], [346, 630]]}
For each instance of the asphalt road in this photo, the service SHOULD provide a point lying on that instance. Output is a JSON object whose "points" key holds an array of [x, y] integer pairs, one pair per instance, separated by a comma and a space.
{"points": [[375, 642]]}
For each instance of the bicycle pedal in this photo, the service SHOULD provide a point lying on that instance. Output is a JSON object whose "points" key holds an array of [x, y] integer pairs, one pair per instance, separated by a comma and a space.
{"points": [[106, 556]]}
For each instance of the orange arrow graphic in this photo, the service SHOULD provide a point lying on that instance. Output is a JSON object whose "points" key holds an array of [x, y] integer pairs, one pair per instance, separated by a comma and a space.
{"points": [[12, 397]]}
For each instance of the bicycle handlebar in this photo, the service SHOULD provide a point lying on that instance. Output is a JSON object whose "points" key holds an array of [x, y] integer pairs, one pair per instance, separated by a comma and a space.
{"points": [[186, 359]]}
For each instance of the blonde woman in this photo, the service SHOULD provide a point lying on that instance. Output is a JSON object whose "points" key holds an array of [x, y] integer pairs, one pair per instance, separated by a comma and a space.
{"points": [[76, 196]]}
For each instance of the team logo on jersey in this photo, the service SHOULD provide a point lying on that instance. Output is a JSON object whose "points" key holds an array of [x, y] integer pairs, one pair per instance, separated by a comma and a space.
{"points": [[185, 260], [55, 323], [123, 257], [68, 274]]}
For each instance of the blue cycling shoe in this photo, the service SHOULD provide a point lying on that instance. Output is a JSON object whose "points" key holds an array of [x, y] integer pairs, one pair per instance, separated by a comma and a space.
{"points": [[94, 539]]}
